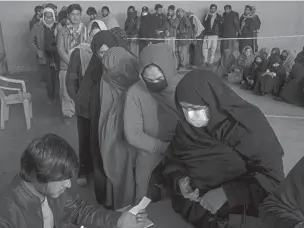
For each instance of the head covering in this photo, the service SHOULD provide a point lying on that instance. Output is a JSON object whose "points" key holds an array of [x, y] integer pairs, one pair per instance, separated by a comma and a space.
{"points": [[122, 70], [100, 23], [48, 10], [233, 122], [62, 15], [117, 61], [244, 61], [274, 56], [162, 55], [103, 37], [110, 22], [289, 61], [145, 9], [51, 5]]}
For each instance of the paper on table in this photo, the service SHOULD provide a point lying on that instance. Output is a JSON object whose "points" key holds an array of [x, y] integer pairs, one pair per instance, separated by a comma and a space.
{"points": [[142, 205]]}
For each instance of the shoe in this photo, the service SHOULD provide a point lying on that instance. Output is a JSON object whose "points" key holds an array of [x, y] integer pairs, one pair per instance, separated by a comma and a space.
{"points": [[82, 181]]}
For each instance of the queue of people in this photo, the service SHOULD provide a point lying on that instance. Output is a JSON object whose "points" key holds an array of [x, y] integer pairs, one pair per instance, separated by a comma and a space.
{"points": [[217, 154]]}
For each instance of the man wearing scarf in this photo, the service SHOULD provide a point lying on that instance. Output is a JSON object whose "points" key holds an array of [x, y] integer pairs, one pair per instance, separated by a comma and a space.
{"points": [[250, 24], [147, 28], [132, 28], [212, 25], [36, 18], [43, 42], [68, 38], [107, 18], [53, 7], [161, 22], [171, 30]]}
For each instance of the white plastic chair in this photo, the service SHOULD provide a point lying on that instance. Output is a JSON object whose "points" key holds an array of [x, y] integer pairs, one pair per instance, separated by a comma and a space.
{"points": [[21, 97]]}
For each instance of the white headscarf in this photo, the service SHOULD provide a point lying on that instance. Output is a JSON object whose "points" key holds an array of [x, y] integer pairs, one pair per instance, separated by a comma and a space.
{"points": [[49, 10], [100, 23]]}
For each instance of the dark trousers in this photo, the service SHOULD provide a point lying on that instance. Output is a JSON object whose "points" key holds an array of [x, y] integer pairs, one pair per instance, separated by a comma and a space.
{"points": [[50, 76], [85, 157]]}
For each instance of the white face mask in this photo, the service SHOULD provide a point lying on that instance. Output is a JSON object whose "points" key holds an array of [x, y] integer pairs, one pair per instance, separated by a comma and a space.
{"points": [[197, 118]]}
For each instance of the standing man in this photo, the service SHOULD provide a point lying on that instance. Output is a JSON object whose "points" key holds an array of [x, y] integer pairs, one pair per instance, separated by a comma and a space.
{"points": [[37, 16], [230, 28], [172, 25], [161, 23], [53, 7], [92, 13], [132, 28], [250, 26], [147, 28], [69, 37], [212, 25], [38, 196], [108, 19]]}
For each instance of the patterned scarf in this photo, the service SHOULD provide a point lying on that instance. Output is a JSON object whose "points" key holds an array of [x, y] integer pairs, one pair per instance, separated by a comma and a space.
{"points": [[76, 36]]}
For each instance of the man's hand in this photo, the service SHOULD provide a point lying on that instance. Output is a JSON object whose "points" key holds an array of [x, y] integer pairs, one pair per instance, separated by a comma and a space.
{"points": [[214, 200], [187, 191], [128, 220]]}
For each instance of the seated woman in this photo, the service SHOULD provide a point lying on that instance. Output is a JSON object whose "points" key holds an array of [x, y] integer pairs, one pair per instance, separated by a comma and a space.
{"points": [[121, 70], [272, 80], [288, 61], [274, 54], [243, 66], [284, 208], [293, 90], [225, 158], [150, 114]]}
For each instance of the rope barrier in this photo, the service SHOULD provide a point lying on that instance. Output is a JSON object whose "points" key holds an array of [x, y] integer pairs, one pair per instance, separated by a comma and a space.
{"points": [[238, 38]]}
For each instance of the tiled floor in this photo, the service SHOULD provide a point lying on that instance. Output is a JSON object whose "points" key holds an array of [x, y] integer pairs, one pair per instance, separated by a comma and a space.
{"points": [[15, 137]]}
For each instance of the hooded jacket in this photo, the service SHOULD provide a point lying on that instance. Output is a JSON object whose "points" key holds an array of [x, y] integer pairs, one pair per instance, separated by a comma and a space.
{"points": [[142, 118]]}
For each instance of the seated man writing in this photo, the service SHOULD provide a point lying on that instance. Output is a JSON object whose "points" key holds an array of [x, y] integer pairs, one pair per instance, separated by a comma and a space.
{"points": [[37, 196]]}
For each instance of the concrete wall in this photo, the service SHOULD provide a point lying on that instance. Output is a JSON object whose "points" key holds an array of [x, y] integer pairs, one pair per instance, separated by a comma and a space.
{"points": [[278, 19]]}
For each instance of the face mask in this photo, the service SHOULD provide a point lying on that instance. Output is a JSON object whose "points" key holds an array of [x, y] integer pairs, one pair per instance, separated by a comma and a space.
{"points": [[144, 13], [197, 118], [156, 87]]}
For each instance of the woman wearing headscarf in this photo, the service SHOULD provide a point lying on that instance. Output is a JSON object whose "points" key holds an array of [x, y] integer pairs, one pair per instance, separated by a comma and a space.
{"points": [[88, 106], [80, 57], [121, 70], [288, 61], [184, 31], [293, 90], [267, 82], [150, 116], [43, 42], [243, 67], [225, 158], [132, 29], [260, 67], [250, 24], [284, 208]]}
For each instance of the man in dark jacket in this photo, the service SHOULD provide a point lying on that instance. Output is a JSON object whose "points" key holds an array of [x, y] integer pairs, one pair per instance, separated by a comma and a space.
{"points": [[161, 22], [212, 25], [230, 28], [37, 197], [147, 28], [36, 18]]}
